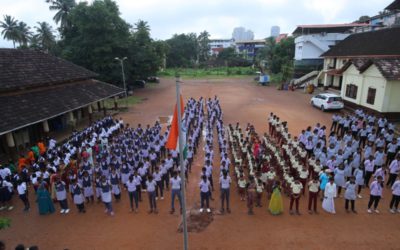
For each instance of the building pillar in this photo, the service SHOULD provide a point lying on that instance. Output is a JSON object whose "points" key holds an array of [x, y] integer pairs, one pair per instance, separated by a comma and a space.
{"points": [[98, 106], [90, 111], [46, 128], [115, 102], [70, 120], [104, 108], [11, 146]]}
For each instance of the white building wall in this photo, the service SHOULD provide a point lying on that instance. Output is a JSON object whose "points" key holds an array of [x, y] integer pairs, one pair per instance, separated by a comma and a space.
{"points": [[392, 101], [373, 79], [313, 45]]}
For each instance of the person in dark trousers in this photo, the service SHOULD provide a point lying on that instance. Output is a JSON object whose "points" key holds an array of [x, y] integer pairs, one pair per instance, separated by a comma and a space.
{"points": [[225, 183], [23, 194], [375, 194], [205, 188]]}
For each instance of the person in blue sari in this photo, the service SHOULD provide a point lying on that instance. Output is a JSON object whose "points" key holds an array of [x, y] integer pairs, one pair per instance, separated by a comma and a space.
{"points": [[43, 199], [324, 179]]}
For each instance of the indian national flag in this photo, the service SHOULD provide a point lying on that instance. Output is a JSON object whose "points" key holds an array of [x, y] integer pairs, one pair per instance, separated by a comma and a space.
{"points": [[172, 142]]}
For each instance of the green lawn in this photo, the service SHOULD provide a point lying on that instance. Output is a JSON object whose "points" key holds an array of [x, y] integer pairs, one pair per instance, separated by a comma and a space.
{"points": [[220, 72]]}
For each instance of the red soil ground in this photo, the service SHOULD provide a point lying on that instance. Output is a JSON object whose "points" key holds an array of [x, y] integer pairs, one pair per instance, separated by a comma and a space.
{"points": [[242, 101]]}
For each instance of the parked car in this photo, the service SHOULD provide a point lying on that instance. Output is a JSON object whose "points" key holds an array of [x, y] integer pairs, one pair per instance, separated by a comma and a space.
{"points": [[153, 79], [327, 101]]}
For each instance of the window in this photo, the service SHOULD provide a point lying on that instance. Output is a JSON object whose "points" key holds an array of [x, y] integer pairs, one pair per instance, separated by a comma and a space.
{"points": [[371, 96], [351, 91]]}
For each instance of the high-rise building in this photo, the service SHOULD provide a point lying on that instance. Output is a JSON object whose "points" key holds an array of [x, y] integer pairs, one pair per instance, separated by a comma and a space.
{"points": [[241, 34], [275, 31]]}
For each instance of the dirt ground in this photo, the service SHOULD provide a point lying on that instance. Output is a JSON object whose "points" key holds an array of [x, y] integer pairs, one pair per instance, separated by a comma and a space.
{"points": [[242, 101]]}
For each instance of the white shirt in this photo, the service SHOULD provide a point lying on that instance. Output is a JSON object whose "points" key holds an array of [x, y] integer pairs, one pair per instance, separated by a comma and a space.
{"points": [[131, 186], [225, 183], [175, 183], [5, 172], [204, 186], [21, 188], [296, 188]]}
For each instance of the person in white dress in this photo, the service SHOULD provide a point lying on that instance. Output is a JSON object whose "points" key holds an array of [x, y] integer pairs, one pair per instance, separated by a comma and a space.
{"points": [[328, 203]]}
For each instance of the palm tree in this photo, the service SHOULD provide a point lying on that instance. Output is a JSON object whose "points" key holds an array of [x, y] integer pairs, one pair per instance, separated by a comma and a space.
{"points": [[44, 36], [9, 26], [23, 33], [63, 8], [142, 26]]}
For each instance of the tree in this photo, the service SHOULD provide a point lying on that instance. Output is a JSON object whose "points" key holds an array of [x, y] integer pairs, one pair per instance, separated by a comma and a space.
{"points": [[182, 51], [363, 19], [145, 55], [44, 37], [203, 47], [9, 26], [63, 8], [23, 33], [276, 55], [97, 35]]}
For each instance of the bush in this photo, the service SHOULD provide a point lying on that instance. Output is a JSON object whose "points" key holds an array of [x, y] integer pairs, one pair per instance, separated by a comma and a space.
{"points": [[4, 223]]}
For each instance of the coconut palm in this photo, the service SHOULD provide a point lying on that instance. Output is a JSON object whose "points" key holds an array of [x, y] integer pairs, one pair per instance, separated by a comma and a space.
{"points": [[23, 33], [63, 8], [44, 36], [9, 26]]}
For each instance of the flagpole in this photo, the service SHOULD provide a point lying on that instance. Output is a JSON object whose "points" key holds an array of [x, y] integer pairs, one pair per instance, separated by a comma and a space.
{"points": [[178, 101]]}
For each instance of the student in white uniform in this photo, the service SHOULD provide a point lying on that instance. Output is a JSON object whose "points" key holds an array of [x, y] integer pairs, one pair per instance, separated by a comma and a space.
{"points": [[77, 194], [350, 194], [151, 192], [61, 195], [106, 189], [23, 194], [87, 187], [225, 183], [205, 188], [132, 193], [176, 185], [394, 203]]}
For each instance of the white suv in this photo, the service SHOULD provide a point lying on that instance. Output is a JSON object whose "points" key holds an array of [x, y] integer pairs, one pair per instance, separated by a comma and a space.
{"points": [[327, 101]]}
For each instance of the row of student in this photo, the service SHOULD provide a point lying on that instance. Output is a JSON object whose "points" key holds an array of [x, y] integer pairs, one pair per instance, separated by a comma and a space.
{"points": [[331, 192], [114, 161], [344, 171]]}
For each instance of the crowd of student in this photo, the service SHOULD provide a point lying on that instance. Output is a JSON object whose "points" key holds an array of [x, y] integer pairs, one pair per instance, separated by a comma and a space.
{"points": [[100, 162], [108, 157], [359, 147]]}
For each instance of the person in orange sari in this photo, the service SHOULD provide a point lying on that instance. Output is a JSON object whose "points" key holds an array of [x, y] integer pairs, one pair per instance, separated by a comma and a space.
{"points": [[42, 147], [31, 157], [22, 162]]}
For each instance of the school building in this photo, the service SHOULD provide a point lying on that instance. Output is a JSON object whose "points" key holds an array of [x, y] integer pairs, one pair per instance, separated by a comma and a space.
{"points": [[365, 67], [40, 94]]}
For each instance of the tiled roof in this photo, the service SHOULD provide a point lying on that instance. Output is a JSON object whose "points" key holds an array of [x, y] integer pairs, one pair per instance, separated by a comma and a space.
{"points": [[379, 43], [26, 68], [388, 67], [23, 108]]}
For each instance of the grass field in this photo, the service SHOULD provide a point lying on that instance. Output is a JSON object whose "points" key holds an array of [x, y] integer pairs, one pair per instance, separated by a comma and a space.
{"points": [[210, 72]]}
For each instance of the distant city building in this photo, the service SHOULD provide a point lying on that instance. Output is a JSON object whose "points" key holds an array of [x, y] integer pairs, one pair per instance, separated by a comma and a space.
{"points": [[217, 45], [313, 40], [241, 34], [275, 31]]}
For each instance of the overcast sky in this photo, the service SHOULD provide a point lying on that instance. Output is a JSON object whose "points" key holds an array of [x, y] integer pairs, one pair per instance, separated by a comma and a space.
{"points": [[218, 17]]}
